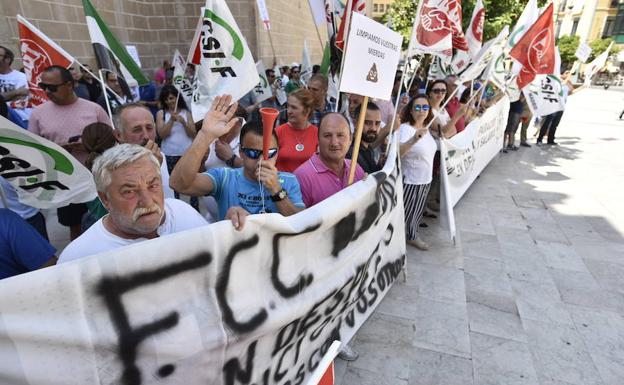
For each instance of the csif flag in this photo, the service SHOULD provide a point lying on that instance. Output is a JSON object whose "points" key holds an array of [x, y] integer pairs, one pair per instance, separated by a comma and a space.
{"points": [[474, 38], [306, 64], [535, 51], [528, 16], [180, 81], [484, 58], [357, 6], [262, 90], [38, 53], [226, 65], [110, 54], [437, 29]]}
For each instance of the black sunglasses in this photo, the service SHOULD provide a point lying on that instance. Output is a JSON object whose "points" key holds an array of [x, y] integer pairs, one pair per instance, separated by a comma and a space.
{"points": [[51, 87], [438, 91], [255, 154]]}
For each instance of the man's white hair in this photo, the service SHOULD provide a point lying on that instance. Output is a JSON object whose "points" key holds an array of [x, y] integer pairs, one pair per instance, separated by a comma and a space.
{"points": [[117, 115], [116, 157]]}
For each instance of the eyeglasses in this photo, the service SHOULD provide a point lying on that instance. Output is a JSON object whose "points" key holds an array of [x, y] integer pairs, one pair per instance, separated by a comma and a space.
{"points": [[255, 154], [421, 107], [51, 87], [438, 91]]}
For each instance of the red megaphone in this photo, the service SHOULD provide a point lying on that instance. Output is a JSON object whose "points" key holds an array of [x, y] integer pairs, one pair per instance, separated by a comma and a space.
{"points": [[269, 115]]}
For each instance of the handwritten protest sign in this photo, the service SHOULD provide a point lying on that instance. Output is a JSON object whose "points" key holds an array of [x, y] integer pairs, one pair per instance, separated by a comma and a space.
{"points": [[371, 59]]}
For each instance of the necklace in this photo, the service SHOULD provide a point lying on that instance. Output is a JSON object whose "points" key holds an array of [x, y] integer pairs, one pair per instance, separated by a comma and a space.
{"points": [[300, 139]]}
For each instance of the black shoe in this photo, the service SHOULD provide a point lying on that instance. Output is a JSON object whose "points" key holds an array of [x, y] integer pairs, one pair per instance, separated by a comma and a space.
{"points": [[423, 224], [538, 143], [513, 148], [525, 144], [504, 150], [552, 143]]}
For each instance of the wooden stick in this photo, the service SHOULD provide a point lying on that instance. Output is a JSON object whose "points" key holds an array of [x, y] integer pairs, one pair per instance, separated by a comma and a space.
{"points": [[358, 139], [272, 47]]}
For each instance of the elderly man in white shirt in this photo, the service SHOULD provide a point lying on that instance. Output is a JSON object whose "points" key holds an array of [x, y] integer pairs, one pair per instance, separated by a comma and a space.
{"points": [[129, 184]]}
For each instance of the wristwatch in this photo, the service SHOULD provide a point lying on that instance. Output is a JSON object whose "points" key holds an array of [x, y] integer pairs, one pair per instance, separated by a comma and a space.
{"points": [[280, 195], [230, 162]]}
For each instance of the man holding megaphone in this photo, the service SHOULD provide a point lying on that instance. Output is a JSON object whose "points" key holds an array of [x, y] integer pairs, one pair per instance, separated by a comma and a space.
{"points": [[256, 187]]}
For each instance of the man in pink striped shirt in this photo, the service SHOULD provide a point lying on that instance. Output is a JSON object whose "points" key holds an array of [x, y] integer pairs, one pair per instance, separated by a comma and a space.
{"points": [[62, 120], [327, 172]]}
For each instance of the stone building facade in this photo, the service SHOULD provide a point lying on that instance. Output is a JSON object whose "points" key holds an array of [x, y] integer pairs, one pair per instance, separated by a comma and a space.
{"points": [[158, 27]]}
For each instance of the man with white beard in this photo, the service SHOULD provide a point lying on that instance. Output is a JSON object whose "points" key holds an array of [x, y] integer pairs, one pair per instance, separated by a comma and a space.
{"points": [[128, 181]]}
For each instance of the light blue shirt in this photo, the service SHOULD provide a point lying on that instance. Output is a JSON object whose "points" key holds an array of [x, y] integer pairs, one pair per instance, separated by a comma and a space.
{"points": [[232, 188]]}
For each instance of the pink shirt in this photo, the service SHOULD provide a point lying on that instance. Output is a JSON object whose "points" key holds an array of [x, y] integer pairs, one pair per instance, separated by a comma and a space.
{"points": [[318, 182], [60, 123]]}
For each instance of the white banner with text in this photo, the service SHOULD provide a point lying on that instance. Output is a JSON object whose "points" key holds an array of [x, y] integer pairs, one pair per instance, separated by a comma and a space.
{"points": [[211, 305]]}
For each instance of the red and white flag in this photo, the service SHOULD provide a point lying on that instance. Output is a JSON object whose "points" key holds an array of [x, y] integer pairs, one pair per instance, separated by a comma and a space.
{"points": [[194, 55], [38, 53], [474, 38], [535, 51], [358, 6], [438, 29]]}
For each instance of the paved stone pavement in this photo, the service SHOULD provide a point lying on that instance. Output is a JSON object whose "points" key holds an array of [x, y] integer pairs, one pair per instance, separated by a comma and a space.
{"points": [[533, 292]]}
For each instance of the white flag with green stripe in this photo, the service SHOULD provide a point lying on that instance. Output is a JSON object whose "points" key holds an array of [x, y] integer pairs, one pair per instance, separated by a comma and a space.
{"points": [[43, 173], [226, 64], [110, 54]]}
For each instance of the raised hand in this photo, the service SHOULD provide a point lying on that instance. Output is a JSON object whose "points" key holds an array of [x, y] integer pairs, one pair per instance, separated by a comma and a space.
{"points": [[220, 119]]}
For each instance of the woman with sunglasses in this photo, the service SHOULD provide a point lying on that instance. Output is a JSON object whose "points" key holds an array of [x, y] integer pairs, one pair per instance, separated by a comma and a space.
{"points": [[297, 138], [176, 128], [444, 124], [417, 151]]}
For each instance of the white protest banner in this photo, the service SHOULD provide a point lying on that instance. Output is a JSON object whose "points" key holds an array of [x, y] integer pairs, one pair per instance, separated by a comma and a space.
{"points": [[264, 14], [372, 57], [583, 51], [544, 95], [180, 81], [43, 173], [226, 65], [437, 69], [263, 89], [470, 151], [211, 305]]}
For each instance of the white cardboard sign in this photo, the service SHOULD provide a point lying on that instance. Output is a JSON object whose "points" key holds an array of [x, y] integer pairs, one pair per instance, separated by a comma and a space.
{"points": [[371, 59]]}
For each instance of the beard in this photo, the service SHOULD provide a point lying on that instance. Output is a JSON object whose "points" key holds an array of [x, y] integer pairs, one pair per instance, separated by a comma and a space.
{"points": [[369, 136]]}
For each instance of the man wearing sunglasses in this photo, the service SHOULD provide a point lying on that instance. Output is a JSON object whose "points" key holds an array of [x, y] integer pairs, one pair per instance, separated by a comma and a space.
{"points": [[62, 120], [255, 188]]}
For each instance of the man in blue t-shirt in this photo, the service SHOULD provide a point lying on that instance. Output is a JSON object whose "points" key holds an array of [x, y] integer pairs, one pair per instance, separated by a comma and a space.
{"points": [[22, 248], [255, 188]]}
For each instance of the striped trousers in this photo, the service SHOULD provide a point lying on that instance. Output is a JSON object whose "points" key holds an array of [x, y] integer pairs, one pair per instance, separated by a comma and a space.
{"points": [[414, 201]]}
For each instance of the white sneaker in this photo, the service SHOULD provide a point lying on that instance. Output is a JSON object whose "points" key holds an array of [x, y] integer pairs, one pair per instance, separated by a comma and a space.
{"points": [[418, 243], [347, 353]]}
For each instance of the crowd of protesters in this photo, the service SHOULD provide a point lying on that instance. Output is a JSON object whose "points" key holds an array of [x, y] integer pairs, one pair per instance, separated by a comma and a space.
{"points": [[154, 152]]}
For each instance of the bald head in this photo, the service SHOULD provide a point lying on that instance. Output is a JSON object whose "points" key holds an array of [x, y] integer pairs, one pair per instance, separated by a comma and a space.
{"points": [[334, 138]]}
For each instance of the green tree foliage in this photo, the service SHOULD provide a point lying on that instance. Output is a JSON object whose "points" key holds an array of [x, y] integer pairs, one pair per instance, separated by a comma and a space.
{"points": [[498, 13], [600, 45], [567, 49]]}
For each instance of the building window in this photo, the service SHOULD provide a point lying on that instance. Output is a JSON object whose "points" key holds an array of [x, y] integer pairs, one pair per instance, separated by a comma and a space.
{"points": [[382, 7], [608, 27], [557, 29], [614, 3], [574, 26], [375, 7], [562, 5]]}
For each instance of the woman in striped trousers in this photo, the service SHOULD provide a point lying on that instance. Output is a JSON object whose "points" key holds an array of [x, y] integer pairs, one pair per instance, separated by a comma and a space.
{"points": [[417, 151]]}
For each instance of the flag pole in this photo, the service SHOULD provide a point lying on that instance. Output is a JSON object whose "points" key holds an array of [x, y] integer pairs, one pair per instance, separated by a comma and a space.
{"points": [[344, 47], [405, 65], [358, 140], [110, 114], [272, 47]]}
